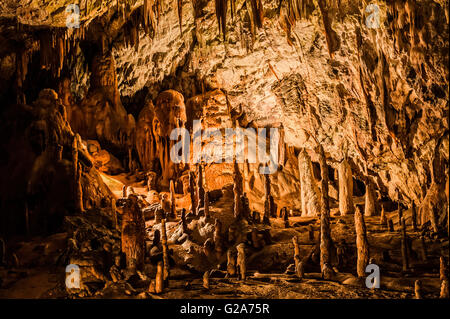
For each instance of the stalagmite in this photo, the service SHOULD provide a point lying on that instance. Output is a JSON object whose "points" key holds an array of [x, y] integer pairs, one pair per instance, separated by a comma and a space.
{"points": [[159, 280], [444, 289], [159, 215], [414, 216], [237, 191], [133, 233], [309, 191], [79, 190], [183, 221], [418, 289], [256, 219], [361, 243], [245, 205], [423, 248], [206, 280], [369, 207], [299, 268], [266, 215], [231, 263], [404, 245], [311, 233], [297, 260], [124, 191], [390, 224], [345, 188], [165, 252], [442, 269], [218, 238], [241, 260], [114, 213], [285, 218], [59, 152], [383, 220], [172, 200], [192, 191], [206, 203], [325, 229], [200, 190]]}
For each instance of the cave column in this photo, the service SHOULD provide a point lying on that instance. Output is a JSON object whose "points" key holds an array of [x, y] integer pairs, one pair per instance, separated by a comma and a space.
{"points": [[345, 188], [325, 229], [369, 207], [309, 191]]}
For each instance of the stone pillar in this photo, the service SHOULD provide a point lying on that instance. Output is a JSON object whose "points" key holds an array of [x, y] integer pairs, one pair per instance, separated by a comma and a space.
{"points": [[79, 189], [285, 217], [362, 244], [166, 267], [237, 191], [206, 280], [124, 191], [309, 191], [206, 202], [192, 191], [414, 216], [345, 189], [200, 190], [183, 221], [173, 213], [114, 213], [383, 220], [404, 245], [325, 229]]}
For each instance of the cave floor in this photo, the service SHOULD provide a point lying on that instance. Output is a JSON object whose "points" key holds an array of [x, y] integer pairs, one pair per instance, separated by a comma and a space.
{"points": [[277, 282]]}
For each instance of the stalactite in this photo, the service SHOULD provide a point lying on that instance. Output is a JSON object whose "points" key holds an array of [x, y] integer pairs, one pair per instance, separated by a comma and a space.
{"points": [[333, 42], [221, 14], [180, 14], [361, 243]]}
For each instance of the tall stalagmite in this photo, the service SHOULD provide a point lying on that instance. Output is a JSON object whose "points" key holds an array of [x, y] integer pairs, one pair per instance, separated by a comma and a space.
{"points": [[345, 188], [362, 244], [309, 191]]}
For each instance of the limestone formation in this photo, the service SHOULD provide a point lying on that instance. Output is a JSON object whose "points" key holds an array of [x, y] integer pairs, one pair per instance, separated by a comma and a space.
{"points": [[159, 280], [206, 280], [362, 244], [442, 269], [200, 191], [418, 289], [237, 192], [192, 190], [206, 205], [325, 229], [114, 213], [165, 248], [183, 221], [369, 207], [231, 263], [285, 217], [444, 289], [172, 213], [310, 196], [79, 189], [390, 224], [423, 248], [133, 233], [414, 216], [241, 261], [404, 246], [124, 191], [311, 233], [383, 220], [299, 268], [345, 188]]}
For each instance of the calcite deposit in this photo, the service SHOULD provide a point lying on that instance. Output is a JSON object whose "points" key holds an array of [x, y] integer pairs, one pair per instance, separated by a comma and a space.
{"points": [[135, 135]]}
